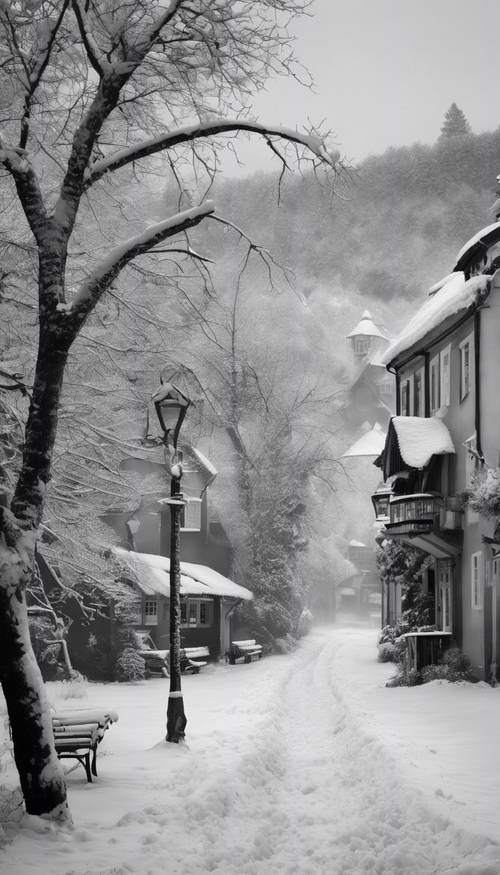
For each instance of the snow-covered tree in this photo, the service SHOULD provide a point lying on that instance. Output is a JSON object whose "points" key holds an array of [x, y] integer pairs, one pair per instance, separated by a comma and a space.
{"points": [[96, 91], [455, 123]]}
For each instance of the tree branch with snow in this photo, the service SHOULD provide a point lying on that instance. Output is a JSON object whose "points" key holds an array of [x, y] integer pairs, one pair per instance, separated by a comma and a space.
{"points": [[205, 130], [92, 290]]}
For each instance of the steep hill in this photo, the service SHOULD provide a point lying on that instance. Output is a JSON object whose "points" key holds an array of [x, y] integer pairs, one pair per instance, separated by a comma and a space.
{"points": [[394, 228]]}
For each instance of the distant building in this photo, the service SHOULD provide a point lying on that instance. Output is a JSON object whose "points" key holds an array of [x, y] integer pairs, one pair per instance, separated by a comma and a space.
{"points": [[445, 432], [369, 405], [371, 394], [208, 596]]}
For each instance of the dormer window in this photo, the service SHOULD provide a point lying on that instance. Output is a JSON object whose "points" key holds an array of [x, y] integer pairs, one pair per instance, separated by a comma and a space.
{"points": [[361, 345]]}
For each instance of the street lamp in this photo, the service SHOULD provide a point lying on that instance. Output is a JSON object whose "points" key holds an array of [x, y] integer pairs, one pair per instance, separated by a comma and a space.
{"points": [[380, 501], [171, 406]]}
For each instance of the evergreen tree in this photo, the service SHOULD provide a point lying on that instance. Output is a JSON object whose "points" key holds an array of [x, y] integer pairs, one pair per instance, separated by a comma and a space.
{"points": [[455, 123]]}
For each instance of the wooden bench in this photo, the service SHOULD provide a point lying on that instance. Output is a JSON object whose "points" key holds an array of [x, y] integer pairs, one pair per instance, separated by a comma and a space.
{"points": [[77, 735], [246, 650], [192, 660]]}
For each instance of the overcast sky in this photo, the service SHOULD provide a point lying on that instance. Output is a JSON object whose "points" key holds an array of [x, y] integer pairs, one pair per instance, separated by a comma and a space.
{"points": [[386, 71]]}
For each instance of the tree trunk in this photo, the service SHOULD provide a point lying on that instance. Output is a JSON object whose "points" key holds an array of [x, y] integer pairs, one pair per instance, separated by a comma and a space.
{"points": [[40, 772]]}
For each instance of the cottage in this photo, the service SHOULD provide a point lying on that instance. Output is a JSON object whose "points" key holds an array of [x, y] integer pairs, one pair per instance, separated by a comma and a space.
{"points": [[446, 431], [208, 601]]}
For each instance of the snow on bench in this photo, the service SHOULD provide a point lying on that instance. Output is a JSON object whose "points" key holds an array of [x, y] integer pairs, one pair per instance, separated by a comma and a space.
{"points": [[246, 650], [192, 660], [77, 735]]}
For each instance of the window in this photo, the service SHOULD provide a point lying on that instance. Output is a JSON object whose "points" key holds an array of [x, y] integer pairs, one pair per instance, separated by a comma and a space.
{"points": [[418, 393], [435, 384], [191, 515], [196, 613], [361, 345], [465, 349], [477, 581], [150, 611], [444, 369], [405, 398], [386, 386]]}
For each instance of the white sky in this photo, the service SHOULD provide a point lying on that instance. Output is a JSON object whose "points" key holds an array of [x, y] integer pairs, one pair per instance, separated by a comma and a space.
{"points": [[386, 71]]}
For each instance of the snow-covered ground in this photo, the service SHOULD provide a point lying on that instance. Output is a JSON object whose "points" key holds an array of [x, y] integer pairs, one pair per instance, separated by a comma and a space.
{"points": [[297, 764]]}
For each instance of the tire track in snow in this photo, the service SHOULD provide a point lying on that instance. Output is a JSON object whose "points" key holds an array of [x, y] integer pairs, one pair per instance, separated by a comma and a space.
{"points": [[314, 794]]}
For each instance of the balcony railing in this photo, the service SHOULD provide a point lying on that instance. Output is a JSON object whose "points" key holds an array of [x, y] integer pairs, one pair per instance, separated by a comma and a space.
{"points": [[414, 514]]}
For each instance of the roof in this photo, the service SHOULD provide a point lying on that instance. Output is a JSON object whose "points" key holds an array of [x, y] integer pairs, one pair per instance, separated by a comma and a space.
{"points": [[485, 237], [456, 294], [412, 441], [153, 577], [366, 326], [369, 444]]}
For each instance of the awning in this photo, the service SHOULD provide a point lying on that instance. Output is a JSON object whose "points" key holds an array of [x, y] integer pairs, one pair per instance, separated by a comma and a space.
{"points": [[412, 441], [152, 573]]}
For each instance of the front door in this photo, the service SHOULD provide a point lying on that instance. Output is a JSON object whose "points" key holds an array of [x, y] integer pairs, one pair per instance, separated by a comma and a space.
{"points": [[445, 602]]}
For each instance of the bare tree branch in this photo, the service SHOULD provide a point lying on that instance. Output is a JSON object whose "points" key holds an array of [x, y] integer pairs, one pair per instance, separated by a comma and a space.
{"points": [[205, 130]]}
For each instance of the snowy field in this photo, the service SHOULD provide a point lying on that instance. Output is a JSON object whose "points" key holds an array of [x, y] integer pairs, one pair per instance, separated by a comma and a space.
{"points": [[302, 764]]}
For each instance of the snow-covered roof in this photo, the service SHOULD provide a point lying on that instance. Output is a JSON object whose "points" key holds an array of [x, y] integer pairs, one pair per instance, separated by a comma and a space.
{"points": [[204, 462], [369, 444], [153, 577], [366, 326], [412, 441], [466, 250], [447, 300]]}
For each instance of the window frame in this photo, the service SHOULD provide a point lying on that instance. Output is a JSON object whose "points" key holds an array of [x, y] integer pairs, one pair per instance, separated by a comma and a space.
{"points": [[434, 384], [150, 617], [361, 344], [419, 396], [190, 503], [189, 602], [445, 377], [465, 383], [477, 580], [406, 397]]}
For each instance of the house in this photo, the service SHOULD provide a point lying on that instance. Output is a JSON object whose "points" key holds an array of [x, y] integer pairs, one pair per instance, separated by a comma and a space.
{"points": [[208, 602], [370, 401], [446, 430], [208, 596], [359, 592]]}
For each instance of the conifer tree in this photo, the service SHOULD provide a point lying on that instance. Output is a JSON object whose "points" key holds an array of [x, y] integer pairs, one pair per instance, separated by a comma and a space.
{"points": [[455, 123]]}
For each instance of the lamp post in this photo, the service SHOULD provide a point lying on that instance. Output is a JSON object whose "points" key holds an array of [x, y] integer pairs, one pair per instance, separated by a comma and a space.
{"points": [[171, 406]]}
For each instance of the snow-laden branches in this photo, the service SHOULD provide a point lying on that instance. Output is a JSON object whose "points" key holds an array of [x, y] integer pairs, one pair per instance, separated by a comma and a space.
{"points": [[205, 130], [100, 280]]}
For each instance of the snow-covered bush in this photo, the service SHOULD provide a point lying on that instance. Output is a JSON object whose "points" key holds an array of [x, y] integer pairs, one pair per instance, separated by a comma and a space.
{"points": [[453, 666], [386, 652], [130, 666], [485, 493]]}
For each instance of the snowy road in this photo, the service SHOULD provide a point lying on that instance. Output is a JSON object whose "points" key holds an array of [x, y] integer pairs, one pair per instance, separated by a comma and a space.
{"points": [[279, 776]]}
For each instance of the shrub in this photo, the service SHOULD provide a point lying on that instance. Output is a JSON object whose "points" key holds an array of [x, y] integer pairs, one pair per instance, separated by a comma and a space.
{"points": [[386, 652], [130, 666], [453, 666]]}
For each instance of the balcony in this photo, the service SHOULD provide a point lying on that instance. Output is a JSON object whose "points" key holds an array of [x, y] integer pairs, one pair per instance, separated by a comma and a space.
{"points": [[413, 515]]}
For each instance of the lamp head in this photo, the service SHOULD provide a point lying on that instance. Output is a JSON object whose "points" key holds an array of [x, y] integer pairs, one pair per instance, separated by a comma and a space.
{"points": [[171, 406]]}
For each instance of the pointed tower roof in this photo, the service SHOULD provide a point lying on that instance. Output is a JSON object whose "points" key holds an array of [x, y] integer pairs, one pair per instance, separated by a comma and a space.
{"points": [[367, 326]]}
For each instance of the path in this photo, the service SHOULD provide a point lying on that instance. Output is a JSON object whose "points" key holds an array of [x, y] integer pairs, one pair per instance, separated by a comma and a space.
{"points": [[281, 780]]}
